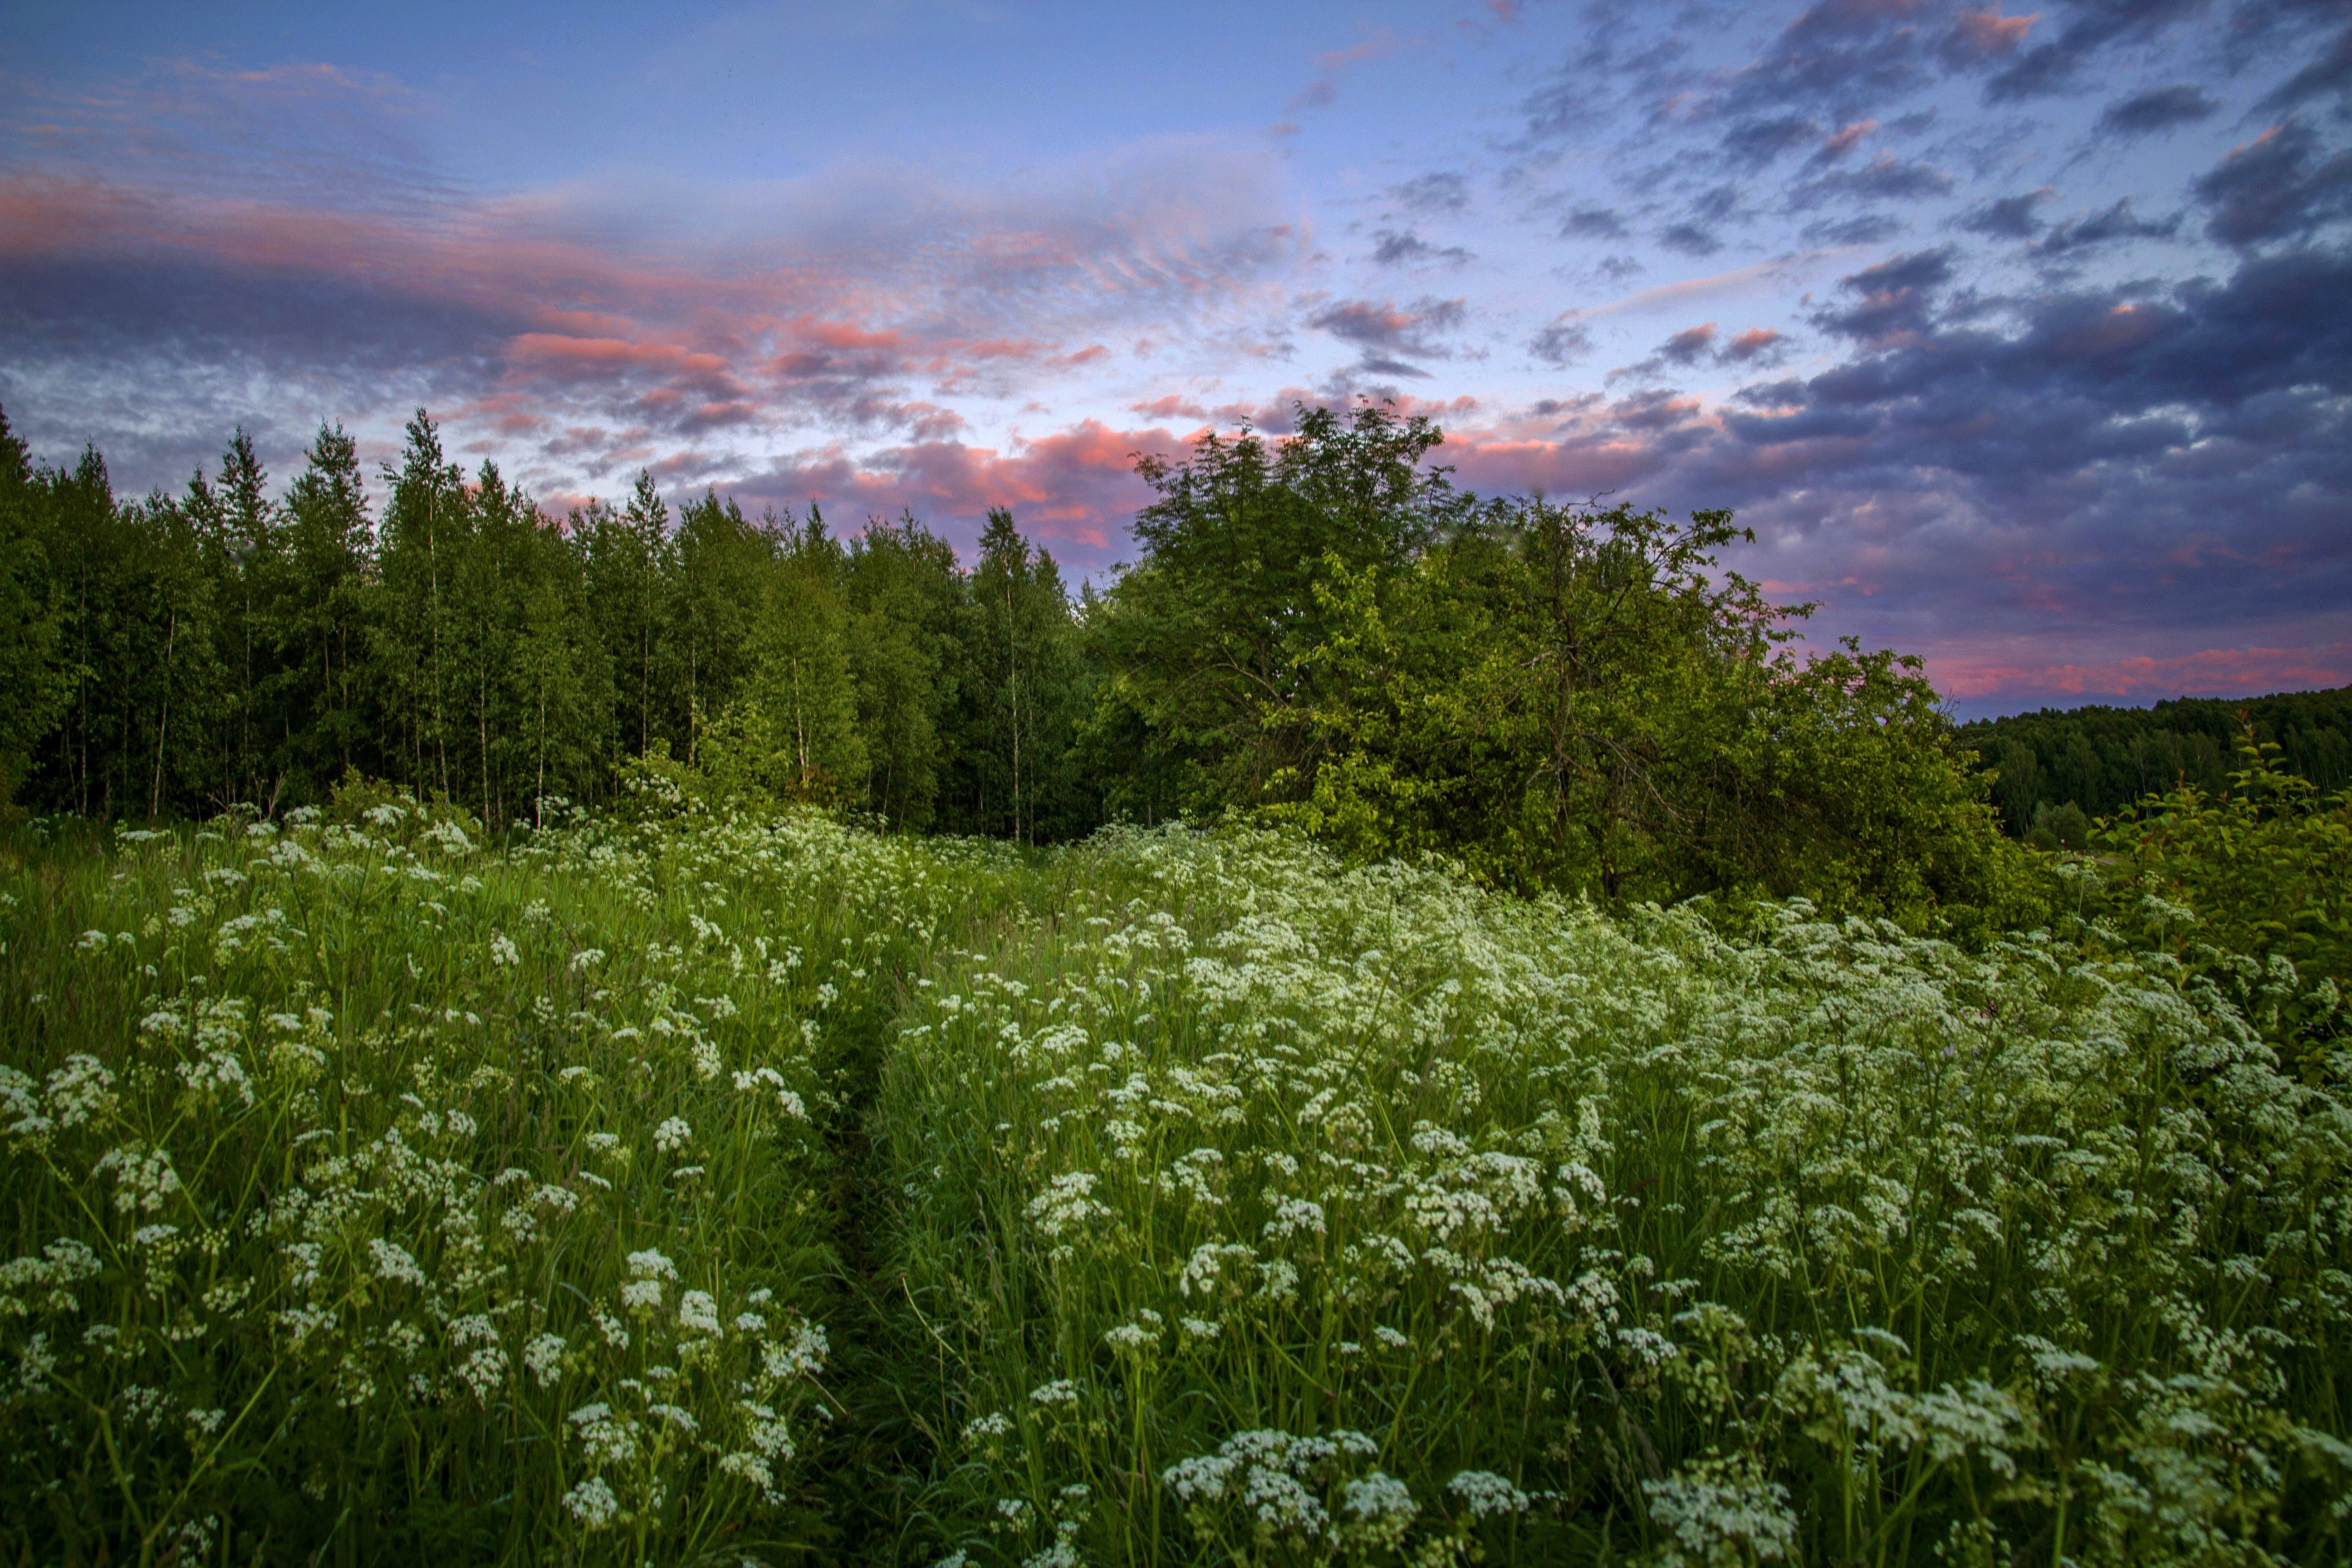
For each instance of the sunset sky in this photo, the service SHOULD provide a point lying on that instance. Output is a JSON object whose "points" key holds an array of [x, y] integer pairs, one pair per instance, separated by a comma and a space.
{"points": [[2023, 341]]}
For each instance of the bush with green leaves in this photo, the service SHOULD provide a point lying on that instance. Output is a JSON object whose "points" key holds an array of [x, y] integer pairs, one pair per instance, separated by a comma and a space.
{"points": [[2249, 891]]}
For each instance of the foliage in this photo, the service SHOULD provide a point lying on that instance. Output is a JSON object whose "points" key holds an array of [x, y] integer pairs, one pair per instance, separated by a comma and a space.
{"points": [[377, 1194], [33, 687], [1258, 1209], [909, 608], [1227, 1202], [1573, 698], [2101, 759], [1322, 631], [2249, 891], [172, 657], [802, 687], [1221, 616], [1025, 690]]}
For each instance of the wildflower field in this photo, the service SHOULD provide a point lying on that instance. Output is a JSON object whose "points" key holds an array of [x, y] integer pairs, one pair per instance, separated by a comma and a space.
{"points": [[712, 1191]]}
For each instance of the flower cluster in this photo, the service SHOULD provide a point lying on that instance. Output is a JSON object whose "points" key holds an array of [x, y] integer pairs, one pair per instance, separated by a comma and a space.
{"points": [[1767, 1248], [361, 1129], [1233, 1204]]}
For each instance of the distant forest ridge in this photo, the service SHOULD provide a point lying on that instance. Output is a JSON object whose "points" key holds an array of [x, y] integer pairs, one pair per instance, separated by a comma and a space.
{"points": [[2101, 759]]}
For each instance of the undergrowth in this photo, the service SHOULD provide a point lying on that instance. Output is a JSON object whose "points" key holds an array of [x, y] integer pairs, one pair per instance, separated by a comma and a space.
{"points": [[701, 1190]]}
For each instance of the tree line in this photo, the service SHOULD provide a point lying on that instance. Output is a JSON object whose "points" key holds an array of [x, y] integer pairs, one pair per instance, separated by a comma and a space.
{"points": [[2059, 769], [1321, 629], [168, 655]]}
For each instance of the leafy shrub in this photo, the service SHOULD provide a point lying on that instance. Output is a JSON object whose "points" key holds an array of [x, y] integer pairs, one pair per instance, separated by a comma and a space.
{"points": [[2249, 891]]}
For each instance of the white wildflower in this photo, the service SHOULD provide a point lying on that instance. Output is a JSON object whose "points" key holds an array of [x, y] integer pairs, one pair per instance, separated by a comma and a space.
{"points": [[144, 1177], [592, 1502], [1293, 1216], [473, 1329], [394, 1263], [1378, 1509], [1486, 1494], [1721, 1511], [80, 1090], [484, 1371], [544, 1357], [606, 1438], [768, 1431], [750, 1468], [804, 1355], [1065, 1205], [698, 1313]]}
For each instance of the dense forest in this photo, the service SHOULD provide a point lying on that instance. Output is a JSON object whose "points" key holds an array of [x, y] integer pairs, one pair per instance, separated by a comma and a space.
{"points": [[178, 653], [1322, 631], [2059, 769]]}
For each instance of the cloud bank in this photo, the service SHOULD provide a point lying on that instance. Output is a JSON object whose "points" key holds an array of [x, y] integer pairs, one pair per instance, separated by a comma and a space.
{"points": [[2017, 338]]}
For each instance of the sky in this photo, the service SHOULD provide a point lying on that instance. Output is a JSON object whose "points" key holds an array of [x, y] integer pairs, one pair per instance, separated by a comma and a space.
{"points": [[2022, 341]]}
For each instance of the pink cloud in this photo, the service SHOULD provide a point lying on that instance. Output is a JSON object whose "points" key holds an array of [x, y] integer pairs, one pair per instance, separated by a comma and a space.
{"points": [[1074, 488], [1331, 66], [1839, 143], [847, 323], [1171, 405], [1987, 32], [2211, 672], [604, 355]]}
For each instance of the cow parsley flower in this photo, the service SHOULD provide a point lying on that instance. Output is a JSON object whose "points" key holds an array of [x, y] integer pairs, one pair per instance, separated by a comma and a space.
{"points": [[394, 1263], [698, 1313], [592, 1502], [1486, 1494], [545, 1356]]}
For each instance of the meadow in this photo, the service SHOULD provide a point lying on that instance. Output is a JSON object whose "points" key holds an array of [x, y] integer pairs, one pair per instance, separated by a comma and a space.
{"points": [[664, 1187]]}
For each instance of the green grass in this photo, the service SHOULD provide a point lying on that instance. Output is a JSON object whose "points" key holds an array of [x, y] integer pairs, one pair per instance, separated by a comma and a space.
{"points": [[714, 1191]]}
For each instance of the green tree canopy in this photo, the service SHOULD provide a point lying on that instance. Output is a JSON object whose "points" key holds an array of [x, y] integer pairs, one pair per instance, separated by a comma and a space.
{"points": [[1569, 697]]}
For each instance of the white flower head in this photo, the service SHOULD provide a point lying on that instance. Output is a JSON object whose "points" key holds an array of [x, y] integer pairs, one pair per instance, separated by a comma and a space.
{"points": [[592, 1502], [394, 1263], [980, 1428], [1486, 1493], [1723, 1510], [1379, 1496], [698, 1313], [544, 1357]]}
